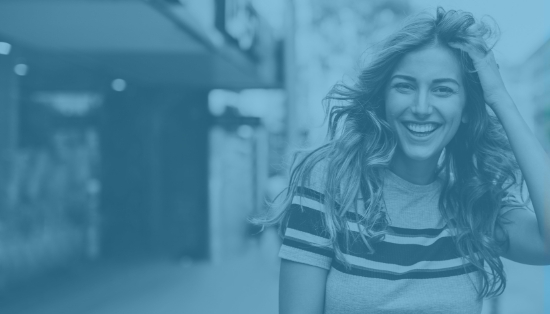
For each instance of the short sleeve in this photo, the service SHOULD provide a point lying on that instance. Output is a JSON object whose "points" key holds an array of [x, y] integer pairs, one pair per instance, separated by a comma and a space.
{"points": [[306, 239]]}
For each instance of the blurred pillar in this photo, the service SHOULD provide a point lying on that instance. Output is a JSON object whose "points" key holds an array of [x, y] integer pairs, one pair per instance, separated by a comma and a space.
{"points": [[8, 124], [237, 179], [155, 173], [290, 78], [182, 176]]}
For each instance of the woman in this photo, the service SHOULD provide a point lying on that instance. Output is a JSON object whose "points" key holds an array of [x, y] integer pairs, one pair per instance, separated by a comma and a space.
{"points": [[413, 200]]}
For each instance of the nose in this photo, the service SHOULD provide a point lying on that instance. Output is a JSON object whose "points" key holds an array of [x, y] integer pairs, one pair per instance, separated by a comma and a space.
{"points": [[422, 106]]}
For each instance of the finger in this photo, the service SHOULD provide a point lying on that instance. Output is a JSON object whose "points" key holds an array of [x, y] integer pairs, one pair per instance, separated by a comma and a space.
{"points": [[473, 52], [457, 45]]}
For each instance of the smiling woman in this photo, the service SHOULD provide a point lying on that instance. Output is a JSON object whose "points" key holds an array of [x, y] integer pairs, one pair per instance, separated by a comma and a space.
{"points": [[425, 100], [409, 206]]}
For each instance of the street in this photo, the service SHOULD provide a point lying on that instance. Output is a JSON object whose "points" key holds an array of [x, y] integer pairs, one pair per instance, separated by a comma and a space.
{"points": [[242, 284]]}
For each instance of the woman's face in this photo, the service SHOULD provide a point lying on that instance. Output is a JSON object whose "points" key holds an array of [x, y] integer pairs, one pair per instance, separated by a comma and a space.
{"points": [[425, 102]]}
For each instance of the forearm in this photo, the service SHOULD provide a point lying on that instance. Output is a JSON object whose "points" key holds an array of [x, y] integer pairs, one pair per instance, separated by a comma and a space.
{"points": [[533, 162]]}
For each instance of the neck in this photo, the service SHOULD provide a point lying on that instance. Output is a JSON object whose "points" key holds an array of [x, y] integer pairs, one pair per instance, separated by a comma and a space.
{"points": [[421, 172]]}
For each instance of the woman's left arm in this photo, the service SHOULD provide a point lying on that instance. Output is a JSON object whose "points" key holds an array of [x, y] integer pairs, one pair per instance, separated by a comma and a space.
{"points": [[529, 232]]}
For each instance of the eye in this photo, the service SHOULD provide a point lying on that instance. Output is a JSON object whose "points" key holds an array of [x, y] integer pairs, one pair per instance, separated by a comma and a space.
{"points": [[403, 87], [444, 91]]}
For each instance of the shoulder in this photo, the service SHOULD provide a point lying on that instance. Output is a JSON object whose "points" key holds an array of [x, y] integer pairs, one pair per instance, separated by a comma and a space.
{"points": [[313, 175], [310, 188], [306, 239], [317, 176]]}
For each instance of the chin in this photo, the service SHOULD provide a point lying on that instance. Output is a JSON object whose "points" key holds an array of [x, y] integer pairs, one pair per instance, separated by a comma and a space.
{"points": [[418, 157], [421, 155]]}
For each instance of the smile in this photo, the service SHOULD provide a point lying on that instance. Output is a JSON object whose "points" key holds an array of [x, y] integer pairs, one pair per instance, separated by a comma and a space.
{"points": [[423, 129]]}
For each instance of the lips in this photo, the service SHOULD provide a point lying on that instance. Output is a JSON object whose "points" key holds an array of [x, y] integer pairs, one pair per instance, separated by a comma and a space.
{"points": [[421, 129]]}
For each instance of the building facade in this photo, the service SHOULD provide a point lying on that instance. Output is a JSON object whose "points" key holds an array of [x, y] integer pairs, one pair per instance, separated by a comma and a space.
{"points": [[105, 133]]}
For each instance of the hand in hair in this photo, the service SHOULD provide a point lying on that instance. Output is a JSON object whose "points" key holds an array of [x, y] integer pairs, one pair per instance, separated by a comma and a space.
{"points": [[494, 90], [528, 232]]}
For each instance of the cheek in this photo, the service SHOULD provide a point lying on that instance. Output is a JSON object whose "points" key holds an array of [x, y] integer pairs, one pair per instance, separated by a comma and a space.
{"points": [[395, 105], [390, 114], [451, 109], [453, 119]]}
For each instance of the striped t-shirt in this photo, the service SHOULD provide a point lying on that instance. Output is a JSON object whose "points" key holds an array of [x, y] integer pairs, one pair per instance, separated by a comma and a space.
{"points": [[415, 269]]}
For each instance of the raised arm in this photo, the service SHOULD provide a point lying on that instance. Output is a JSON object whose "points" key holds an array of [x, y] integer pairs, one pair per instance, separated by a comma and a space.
{"points": [[529, 232]]}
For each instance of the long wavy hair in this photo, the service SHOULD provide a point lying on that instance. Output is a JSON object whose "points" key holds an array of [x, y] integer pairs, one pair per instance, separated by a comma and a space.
{"points": [[477, 167]]}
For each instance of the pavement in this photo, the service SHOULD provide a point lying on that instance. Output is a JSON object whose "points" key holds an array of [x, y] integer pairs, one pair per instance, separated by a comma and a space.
{"points": [[244, 283]]}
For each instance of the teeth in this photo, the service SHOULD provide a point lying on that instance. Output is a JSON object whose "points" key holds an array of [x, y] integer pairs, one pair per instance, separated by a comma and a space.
{"points": [[421, 128]]}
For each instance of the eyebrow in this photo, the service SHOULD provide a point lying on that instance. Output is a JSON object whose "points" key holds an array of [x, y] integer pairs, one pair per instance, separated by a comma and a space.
{"points": [[412, 79]]}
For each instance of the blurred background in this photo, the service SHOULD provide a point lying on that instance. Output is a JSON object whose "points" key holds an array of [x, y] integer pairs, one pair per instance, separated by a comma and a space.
{"points": [[136, 137]]}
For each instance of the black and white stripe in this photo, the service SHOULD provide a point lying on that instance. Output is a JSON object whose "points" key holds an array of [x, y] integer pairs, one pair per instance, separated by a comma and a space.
{"points": [[403, 254]]}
